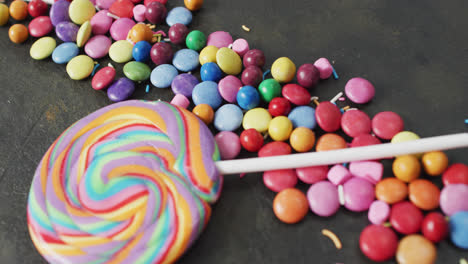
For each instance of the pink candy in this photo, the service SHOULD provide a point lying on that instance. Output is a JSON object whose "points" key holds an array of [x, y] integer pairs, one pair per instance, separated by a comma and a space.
{"points": [[240, 46], [313, 174], [219, 39], [323, 198], [338, 174], [101, 23], [453, 198], [358, 194], [359, 90], [228, 88], [120, 28], [228, 144], [379, 212], [139, 13], [369, 170], [325, 68], [180, 100]]}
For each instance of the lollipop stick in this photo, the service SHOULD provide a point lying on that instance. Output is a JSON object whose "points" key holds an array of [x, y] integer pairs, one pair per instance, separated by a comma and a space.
{"points": [[343, 155]]}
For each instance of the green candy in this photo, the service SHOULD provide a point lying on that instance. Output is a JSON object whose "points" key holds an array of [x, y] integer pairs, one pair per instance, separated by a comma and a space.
{"points": [[136, 71], [195, 40], [269, 89]]}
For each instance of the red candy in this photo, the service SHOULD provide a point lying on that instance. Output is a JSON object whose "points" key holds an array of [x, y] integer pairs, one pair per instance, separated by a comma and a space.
{"points": [[40, 26], [328, 116], [387, 124], [296, 94], [378, 243], [456, 173], [278, 180], [279, 106], [37, 8], [147, 2], [161, 53], [103, 78], [435, 227], [364, 140], [355, 123], [251, 140], [122, 8], [406, 218], [274, 149], [308, 75], [313, 174]]}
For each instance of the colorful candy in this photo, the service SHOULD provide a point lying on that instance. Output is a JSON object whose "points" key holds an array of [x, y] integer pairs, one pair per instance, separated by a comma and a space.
{"points": [[141, 51], [302, 139], [210, 72], [296, 94], [207, 93], [330, 141], [254, 57], [278, 180], [251, 140], [323, 198], [252, 76], [59, 12], [424, 194], [161, 53], [37, 8], [137, 71], [358, 194], [177, 33], [204, 112], [184, 84], [406, 168], [290, 206], [42, 48], [98, 46], [18, 33], [435, 227], [359, 90], [196, 40], [193, 5], [308, 75], [453, 198], [40, 26], [120, 90], [283, 70], [387, 124], [416, 249], [391, 190], [228, 118], [229, 61], [228, 87], [219, 39], [80, 67], [185, 60], [101, 23], [406, 218], [338, 174], [378, 243], [325, 68], [328, 116], [163, 75], [279, 106], [355, 122], [121, 51], [64, 52], [280, 128], [456, 173], [178, 15], [207, 54], [257, 118], [379, 212], [103, 78], [247, 97], [81, 11], [369, 170], [18, 10], [459, 229], [84, 33], [155, 13], [4, 14], [228, 144], [313, 174]]}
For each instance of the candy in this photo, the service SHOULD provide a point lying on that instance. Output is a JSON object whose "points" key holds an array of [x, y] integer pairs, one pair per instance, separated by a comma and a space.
{"points": [[207, 54], [435, 227], [456, 173], [138, 71], [120, 90], [424, 194], [378, 212], [98, 46], [140, 158], [180, 100], [279, 106], [274, 149], [391, 190], [313, 174], [18, 10], [80, 67], [219, 39], [268, 88], [406, 168], [290, 206], [228, 144], [328, 116], [179, 15], [302, 139], [4, 14], [453, 198], [303, 116], [195, 40], [185, 60], [330, 141], [369, 170], [101, 22], [247, 97], [84, 33], [37, 8], [278, 180], [161, 53], [81, 11], [251, 140], [40, 26], [103, 78], [355, 122], [59, 12], [210, 72], [308, 75], [207, 93], [257, 118], [229, 61], [193, 5], [358, 194], [104, 4], [155, 13], [378, 243], [323, 199], [139, 13], [325, 68], [387, 124], [404, 136], [240, 46], [280, 128], [141, 51], [228, 87], [120, 28], [64, 52], [66, 31], [416, 249], [121, 51], [204, 112], [283, 70], [338, 174], [140, 32], [42, 48], [252, 76], [178, 33], [359, 90], [406, 218], [254, 57], [459, 229], [364, 140], [296, 94], [228, 118], [163, 75], [435, 162], [184, 84], [122, 8]]}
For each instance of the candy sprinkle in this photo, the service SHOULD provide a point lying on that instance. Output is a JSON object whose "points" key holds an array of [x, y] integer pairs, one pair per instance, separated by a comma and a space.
{"points": [[245, 28], [466, 121], [335, 75], [333, 238], [147, 88]]}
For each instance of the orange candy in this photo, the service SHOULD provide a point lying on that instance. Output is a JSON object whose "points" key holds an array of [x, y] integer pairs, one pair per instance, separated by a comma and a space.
{"points": [[204, 112], [424, 194], [330, 141], [391, 190], [435, 163], [302, 139], [193, 5], [18, 33], [140, 32], [406, 168], [290, 205], [18, 10], [416, 249]]}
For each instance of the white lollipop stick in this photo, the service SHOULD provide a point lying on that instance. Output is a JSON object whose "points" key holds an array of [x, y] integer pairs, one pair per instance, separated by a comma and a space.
{"points": [[343, 155]]}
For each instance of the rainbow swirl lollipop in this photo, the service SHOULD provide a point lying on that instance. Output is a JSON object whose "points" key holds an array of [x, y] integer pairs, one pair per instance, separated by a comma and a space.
{"points": [[130, 183]]}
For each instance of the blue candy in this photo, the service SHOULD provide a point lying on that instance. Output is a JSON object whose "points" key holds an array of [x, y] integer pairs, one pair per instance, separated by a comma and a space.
{"points": [[211, 72], [179, 15], [141, 51], [459, 229], [64, 52], [228, 118], [207, 93], [248, 97], [303, 116], [185, 60], [162, 76]]}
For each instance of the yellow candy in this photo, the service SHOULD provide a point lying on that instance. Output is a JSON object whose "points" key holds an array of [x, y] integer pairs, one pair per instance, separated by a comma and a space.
{"points": [[80, 67], [81, 10], [42, 48], [280, 128], [302, 139], [121, 51], [83, 34], [405, 136], [208, 54], [283, 70], [258, 118], [4, 14], [229, 61]]}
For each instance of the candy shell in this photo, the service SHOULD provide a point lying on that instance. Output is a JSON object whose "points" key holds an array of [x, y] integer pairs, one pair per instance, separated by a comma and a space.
{"points": [[404, 136], [120, 90], [406, 168], [40, 26], [80, 67], [424, 194], [434, 162], [122, 8], [355, 122], [280, 128], [204, 112], [269, 89], [228, 144], [229, 61], [42, 48], [121, 51], [302, 139], [81, 11], [303, 116], [290, 206], [252, 76], [18, 33], [391, 190], [435, 227], [179, 15], [139, 13], [180, 100], [67, 31], [193, 5], [296, 94], [358, 194], [416, 249], [185, 60], [378, 243], [103, 78], [313, 174], [155, 13], [195, 40], [251, 140], [328, 116], [406, 218], [141, 51], [207, 93], [453, 198], [364, 140], [210, 72], [161, 53], [228, 88], [240, 46], [59, 12], [330, 141], [308, 75], [37, 8], [254, 57], [97, 46], [101, 23], [137, 71], [378, 212], [228, 118], [84, 33], [456, 173], [387, 124], [18, 10], [4, 14], [323, 199], [208, 54], [280, 106], [184, 84], [325, 68], [140, 32], [278, 180], [177, 33], [163, 75], [64, 52], [257, 118], [359, 90], [274, 149], [120, 28], [247, 97], [219, 39], [459, 229], [369, 170], [338, 174], [104, 4], [283, 70]]}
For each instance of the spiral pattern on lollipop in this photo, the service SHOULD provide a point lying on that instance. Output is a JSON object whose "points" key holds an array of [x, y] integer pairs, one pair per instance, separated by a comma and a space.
{"points": [[130, 183]]}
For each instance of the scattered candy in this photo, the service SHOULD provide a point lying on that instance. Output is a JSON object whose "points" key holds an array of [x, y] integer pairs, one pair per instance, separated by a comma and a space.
{"points": [[81, 11], [228, 87], [229, 61], [204, 112], [406, 168], [283, 70], [290, 206], [228, 118], [67, 31], [193, 5], [252, 76], [280, 106], [240, 46], [180, 100], [338, 174], [120, 28], [80, 67], [196, 40], [184, 84], [364, 140], [101, 23], [245, 28], [387, 124], [122, 8], [323, 198], [358, 194], [4, 14], [302, 139], [98, 46], [359, 90], [379, 212], [296, 94], [42, 48], [18, 10], [278, 180], [269, 88], [251, 140], [161, 53], [207, 93], [219, 39], [330, 141], [435, 227], [406, 218], [257, 118], [40, 26], [416, 249], [139, 13], [303, 116], [391, 190], [280, 128], [207, 54], [453, 198], [59, 12], [185, 60], [313, 174], [103, 78], [456, 173], [247, 97], [328, 116], [84, 33], [163, 75], [178, 33], [121, 51], [210, 72], [424, 194], [459, 229], [333, 238], [139, 71], [355, 122], [274, 148], [378, 243], [254, 57], [369, 170], [121, 89], [64, 52], [325, 68], [228, 144], [155, 13], [178, 15], [141, 51], [308, 75], [37, 8]]}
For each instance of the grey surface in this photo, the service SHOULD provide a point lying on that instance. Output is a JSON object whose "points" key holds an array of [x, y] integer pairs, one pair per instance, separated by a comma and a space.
{"points": [[414, 52]]}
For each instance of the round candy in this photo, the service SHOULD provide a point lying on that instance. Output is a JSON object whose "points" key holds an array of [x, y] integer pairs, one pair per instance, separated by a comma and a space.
{"points": [[80, 67], [280, 106], [18, 10], [456, 173], [387, 124], [185, 60], [4, 14], [207, 93], [378, 212], [358, 194], [302, 139], [434, 162], [184, 84], [247, 97], [228, 118], [81, 11], [180, 100], [177, 33], [330, 141], [84, 33], [141, 51], [269, 88], [208, 54], [424, 194], [101, 23], [252, 76], [323, 198], [283, 70], [406, 168], [210, 72], [416, 249], [280, 128], [121, 90], [359, 90], [104, 4], [120, 28], [228, 144], [179, 15], [40, 26], [378, 243], [328, 116], [98, 46], [325, 68], [435, 227], [391, 190], [308, 75], [42, 48], [37, 8], [274, 148], [67, 31], [161, 53], [339, 174], [228, 88], [257, 118], [313, 174], [254, 57], [138, 71], [453, 198], [103, 78], [303, 116], [139, 13], [219, 39], [355, 122], [278, 180], [59, 12], [122, 8], [459, 229], [193, 5], [406, 218], [121, 51], [64, 52], [163, 75], [204, 112], [195, 40], [404, 136], [155, 13], [229, 61], [251, 140], [290, 206], [296, 94], [364, 140], [240, 46], [140, 32]]}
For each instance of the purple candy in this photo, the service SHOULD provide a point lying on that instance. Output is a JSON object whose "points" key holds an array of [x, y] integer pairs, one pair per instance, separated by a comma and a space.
{"points": [[184, 84], [323, 198], [121, 89], [358, 194], [66, 31], [454, 198], [59, 12]]}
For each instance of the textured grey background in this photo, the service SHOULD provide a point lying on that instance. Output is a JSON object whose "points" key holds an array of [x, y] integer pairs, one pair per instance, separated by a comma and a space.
{"points": [[414, 52]]}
